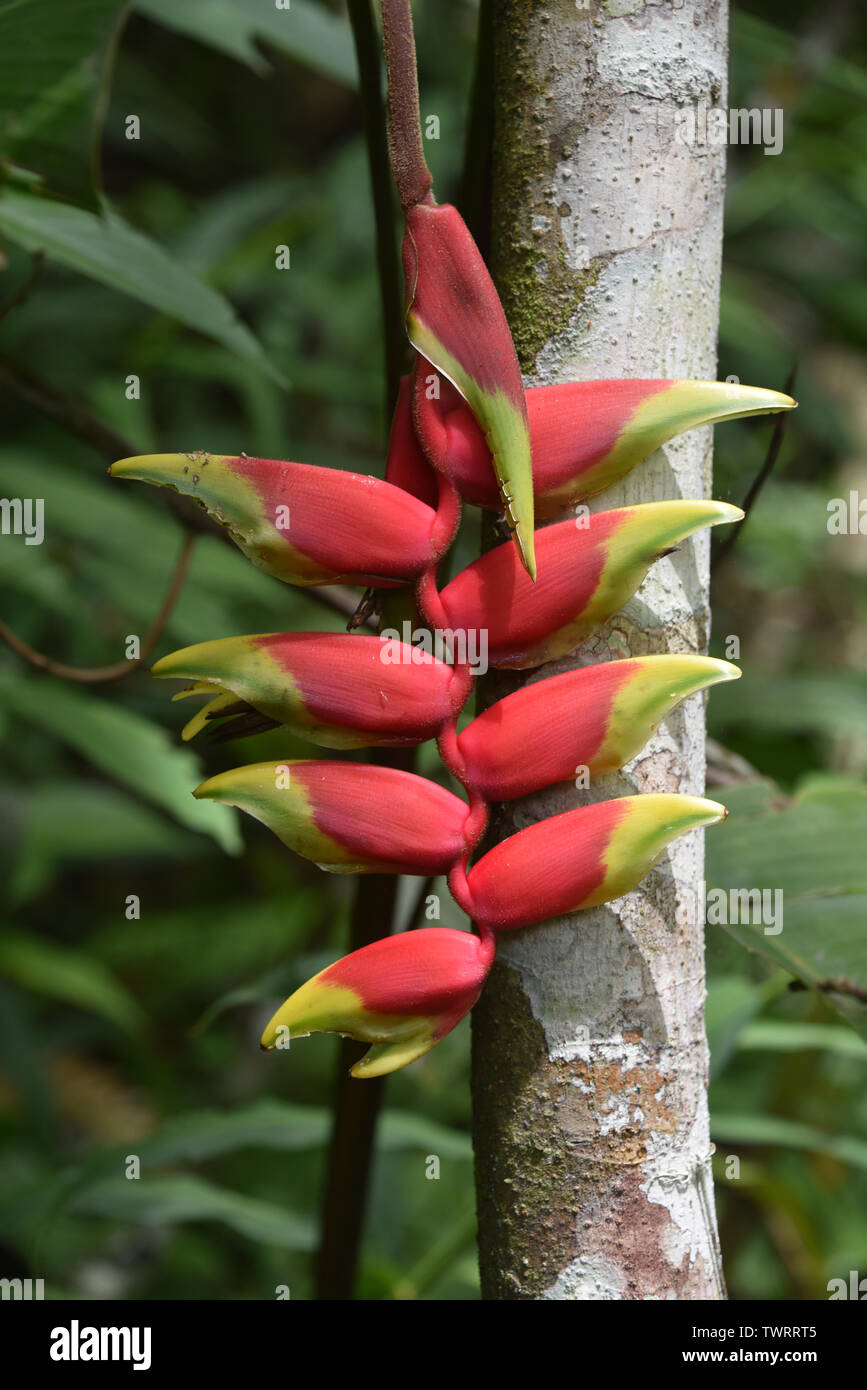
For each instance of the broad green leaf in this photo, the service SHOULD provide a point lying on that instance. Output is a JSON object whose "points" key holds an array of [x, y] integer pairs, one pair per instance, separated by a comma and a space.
{"points": [[54, 67], [276, 1124], [265, 1124], [220, 24], [811, 850], [311, 34], [81, 822], [776, 1131], [171, 1199], [107, 249], [779, 1035], [834, 704], [304, 30], [62, 972], [134, 751], [731, 1002], [402, 1130], [242, 937]]}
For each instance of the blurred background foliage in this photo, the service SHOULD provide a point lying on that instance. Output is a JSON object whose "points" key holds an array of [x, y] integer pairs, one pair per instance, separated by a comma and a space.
{"points": [[154, 257]]}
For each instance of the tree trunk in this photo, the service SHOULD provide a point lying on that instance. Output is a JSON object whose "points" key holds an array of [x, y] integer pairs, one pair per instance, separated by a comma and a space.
{"points": [[589, 1050]]}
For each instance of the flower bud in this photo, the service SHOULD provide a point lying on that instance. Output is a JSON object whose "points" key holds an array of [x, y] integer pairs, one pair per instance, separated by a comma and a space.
{"points": [[336, 690], [454, 318], [401, 994], [581, 858], [586, 573], [350, 818], [302, 524], [584, 435], [593, 719]]}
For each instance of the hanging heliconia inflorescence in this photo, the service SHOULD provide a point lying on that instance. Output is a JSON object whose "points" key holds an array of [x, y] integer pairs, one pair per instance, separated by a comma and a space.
{"points": [[464, 429]]}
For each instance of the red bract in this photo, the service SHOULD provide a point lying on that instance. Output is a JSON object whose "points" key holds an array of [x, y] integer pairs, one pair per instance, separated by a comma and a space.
{"points": [[337, 690], [302, 524], [455, 320], [587, 572], [402, 994], [350, 817], [585, 722], [581, 858], [584, 435]]}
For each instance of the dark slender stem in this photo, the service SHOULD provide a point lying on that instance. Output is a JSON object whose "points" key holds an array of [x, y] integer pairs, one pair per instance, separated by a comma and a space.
{"points": [[356, 1110], [356, 1106], [774, 445], [474, 199], [839, 985], [412, 177], [95, 675], [388, 266], [24, 290]]}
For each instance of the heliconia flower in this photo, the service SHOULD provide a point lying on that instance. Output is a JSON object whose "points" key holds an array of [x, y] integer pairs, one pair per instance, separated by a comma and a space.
{"points": [[602, 716], [402, 995], [335, 689], [302, 524], [592, 565], [350, 818], [580, 858], [584, 435], [454, 318]]}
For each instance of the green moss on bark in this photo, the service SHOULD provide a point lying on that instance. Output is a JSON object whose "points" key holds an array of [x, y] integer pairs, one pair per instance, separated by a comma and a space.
{"points": [[540, 291]]}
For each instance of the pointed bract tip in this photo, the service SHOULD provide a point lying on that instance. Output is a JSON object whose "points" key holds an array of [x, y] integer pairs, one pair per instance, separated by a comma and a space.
{"points": [[528, 557]]}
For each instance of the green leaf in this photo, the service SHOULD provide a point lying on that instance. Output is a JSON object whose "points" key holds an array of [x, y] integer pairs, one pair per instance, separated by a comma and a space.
{"points": [[305, 31], [311, 34], [812, 850], [105, 248], [267, 1124], [174, 1198], [834, 704], [134, 751], [61, 972], [276, 1124], [778, 1035], [731, 1002], [242, 935], [401, 1130], [789, 1134], [54, 68], [80, 822]]}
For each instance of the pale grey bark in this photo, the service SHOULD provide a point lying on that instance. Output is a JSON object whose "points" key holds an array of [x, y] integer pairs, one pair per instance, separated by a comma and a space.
{"points": [[589, 1051]]}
